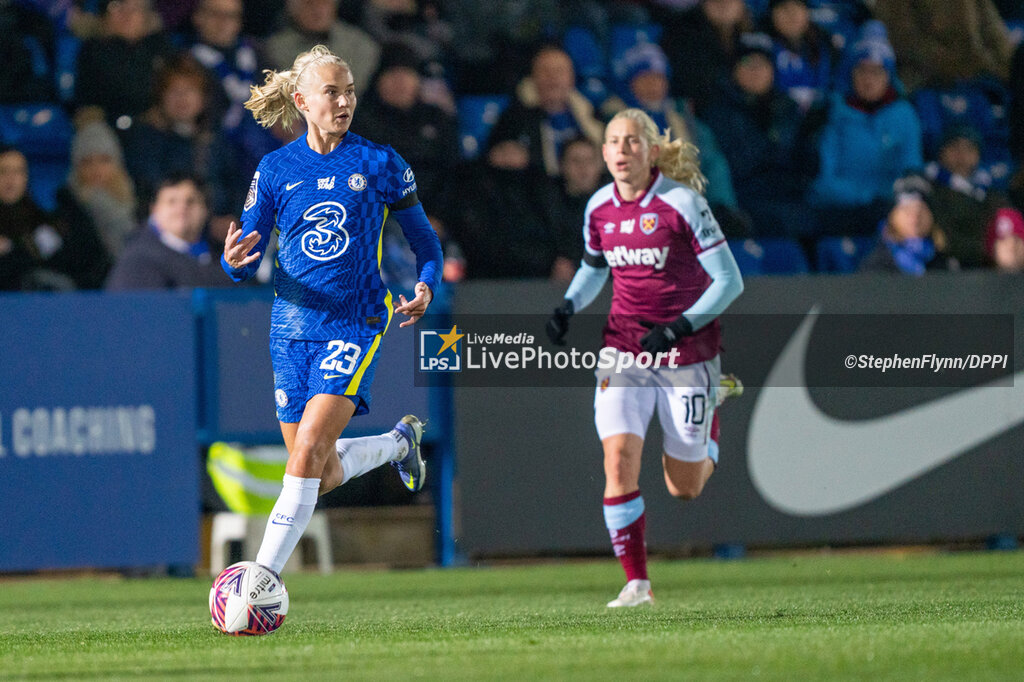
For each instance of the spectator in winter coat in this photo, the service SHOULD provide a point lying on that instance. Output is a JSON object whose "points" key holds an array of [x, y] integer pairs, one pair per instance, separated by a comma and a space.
{"points": [[115, 70], [99, 183], [40, 249], [507, 215], [233, 63], [1004, 242], [701, 46], [171, 251], [872, 138], [963, 200], [313, 22], [760, 132], [548, 111], [176, 136], [582, 172], [803, 54], [908, 240], [392, 112]]}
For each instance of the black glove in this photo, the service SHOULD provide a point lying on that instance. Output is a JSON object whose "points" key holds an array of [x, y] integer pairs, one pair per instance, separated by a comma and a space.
{"points": [[558, 326], [662, 337]]}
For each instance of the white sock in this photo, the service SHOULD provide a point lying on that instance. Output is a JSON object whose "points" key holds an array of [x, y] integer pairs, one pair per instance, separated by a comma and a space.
{"points": [[288, 520], [359, 455]]}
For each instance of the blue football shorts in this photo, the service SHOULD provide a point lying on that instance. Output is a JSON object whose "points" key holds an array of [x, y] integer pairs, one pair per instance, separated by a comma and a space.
{"points": [[303, 369]]}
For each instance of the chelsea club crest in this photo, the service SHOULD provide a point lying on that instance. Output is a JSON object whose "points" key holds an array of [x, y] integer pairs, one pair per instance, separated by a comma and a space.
{"points": [[357, 182]]}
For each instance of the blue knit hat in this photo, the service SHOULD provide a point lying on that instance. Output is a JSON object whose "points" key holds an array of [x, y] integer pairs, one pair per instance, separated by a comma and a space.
{"points": [[877, 52], [644, 57], [959, 130], [912, 185]]}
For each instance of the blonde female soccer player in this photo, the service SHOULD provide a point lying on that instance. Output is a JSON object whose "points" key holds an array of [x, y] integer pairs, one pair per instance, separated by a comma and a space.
{"points": [[328, 194], [672, 276]]}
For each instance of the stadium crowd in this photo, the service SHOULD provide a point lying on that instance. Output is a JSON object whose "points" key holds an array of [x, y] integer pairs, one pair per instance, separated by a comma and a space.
{"points": [[836, 135]]}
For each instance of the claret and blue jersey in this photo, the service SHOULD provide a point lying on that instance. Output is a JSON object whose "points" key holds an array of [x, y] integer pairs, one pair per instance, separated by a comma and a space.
{"points": [[329, 210]]}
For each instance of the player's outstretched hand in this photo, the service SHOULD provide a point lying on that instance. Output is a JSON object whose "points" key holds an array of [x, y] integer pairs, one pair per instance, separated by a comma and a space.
{"points": [[558, 326], [417, 306], [235, 250], [661, 337]]}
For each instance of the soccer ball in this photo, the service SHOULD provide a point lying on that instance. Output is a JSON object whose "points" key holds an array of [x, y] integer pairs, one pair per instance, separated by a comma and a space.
{"points": [[248, 599]]}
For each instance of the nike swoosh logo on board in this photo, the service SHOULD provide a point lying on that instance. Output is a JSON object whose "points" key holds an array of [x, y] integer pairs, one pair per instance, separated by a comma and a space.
{"points": [[806, 463], [293, 185]]}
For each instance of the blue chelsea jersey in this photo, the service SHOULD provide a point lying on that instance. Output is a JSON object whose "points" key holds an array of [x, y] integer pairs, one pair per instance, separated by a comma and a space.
{"points": [[329, 210]]}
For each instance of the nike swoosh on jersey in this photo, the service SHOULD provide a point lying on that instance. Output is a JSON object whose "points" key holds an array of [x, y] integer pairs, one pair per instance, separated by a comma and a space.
{"points": [[293, 185], [806, 463], [334, 376]]}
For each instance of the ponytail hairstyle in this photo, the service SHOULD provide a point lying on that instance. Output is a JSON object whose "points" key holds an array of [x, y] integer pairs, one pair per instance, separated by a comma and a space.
{"points": [[273, 101], [678, 158]]}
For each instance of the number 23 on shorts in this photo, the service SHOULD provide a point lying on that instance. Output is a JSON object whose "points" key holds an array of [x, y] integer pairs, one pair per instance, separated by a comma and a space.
{"points": [[342, 360]]}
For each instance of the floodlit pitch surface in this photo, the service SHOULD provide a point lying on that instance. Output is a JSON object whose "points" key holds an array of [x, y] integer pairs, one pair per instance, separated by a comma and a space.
{"points": [[935, 616]]}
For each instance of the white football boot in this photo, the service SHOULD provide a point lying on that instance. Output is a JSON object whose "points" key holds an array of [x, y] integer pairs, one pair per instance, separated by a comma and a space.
{"points": [[635, 593], [411, 468]]}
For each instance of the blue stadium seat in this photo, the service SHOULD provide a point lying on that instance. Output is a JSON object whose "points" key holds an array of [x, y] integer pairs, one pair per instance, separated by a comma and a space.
{"points": [[840, 19], [748, 255], [477, 115], [769, 256], [40, 131], [45, 177], [981, 103], [1016, 30], [842, 255]]}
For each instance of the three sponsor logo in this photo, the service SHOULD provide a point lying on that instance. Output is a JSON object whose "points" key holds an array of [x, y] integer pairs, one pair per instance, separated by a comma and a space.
{"points": [[327, 238]]}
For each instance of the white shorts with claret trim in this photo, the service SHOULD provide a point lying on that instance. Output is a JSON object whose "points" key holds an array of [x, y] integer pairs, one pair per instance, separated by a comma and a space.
{"points": [[624, 402]]}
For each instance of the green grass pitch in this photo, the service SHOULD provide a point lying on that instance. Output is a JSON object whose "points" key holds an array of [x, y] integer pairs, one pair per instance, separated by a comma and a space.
{"points": [[937, 616]]}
